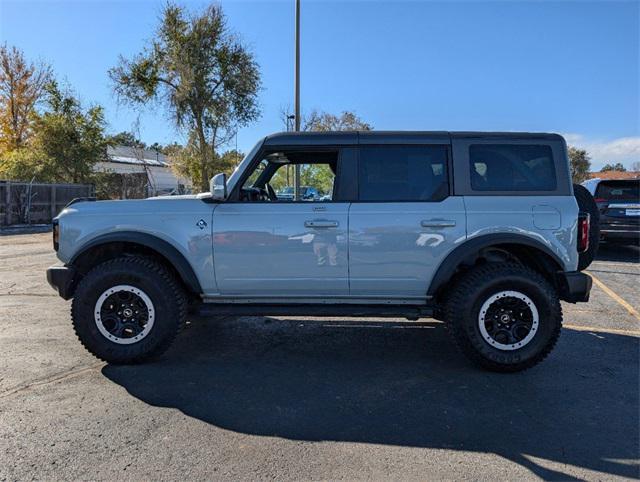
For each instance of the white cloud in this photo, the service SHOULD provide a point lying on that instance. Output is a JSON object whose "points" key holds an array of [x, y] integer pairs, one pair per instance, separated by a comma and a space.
{"points": [[624, 149]]}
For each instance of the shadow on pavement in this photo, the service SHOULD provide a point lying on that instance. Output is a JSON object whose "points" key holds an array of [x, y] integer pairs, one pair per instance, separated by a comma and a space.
{"points": [[401, 384]]}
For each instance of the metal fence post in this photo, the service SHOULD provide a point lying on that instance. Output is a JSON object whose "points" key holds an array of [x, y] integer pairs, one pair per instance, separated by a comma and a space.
{"points": [[7, 213], [54, 211]]}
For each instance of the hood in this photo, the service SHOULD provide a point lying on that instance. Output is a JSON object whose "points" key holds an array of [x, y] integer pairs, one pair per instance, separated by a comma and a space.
{"points": [[129, 207]]}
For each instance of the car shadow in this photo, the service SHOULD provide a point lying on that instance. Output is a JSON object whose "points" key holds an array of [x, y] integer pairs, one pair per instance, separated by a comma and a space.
{"points": [[402, 384]]}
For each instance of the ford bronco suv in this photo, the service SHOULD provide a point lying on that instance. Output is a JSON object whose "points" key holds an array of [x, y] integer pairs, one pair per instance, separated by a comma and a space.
{"points": [[479, 230]]}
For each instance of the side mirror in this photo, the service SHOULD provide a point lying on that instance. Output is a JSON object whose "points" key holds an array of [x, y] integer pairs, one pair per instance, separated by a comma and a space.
{"points": [[218, 186]]}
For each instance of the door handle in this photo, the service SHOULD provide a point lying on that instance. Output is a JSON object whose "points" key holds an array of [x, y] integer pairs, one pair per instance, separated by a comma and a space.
{"points": [[320, 223], [437, 223]]}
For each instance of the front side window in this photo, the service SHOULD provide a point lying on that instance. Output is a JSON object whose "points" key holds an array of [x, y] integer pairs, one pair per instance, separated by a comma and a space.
{"points": [[272, 179], [316, 182], [511, 167], [403, 173]]}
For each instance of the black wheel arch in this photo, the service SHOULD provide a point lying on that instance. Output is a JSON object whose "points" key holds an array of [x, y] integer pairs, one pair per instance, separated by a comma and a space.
{"points": [[111, 245], [504, 247]]}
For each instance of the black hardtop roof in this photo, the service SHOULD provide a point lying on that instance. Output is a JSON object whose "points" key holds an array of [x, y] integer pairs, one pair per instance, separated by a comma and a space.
{"points": [[393, 137]]}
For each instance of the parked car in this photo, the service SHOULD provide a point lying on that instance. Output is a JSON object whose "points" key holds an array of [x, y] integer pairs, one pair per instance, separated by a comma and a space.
{"points": [[618, 201], [479, 230], [307, 193]]}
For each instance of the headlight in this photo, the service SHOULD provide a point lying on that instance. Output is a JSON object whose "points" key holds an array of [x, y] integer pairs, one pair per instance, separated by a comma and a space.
{"points": [[56, 234]]}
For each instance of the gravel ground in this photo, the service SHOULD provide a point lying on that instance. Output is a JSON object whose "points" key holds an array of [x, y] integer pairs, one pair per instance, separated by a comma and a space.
{"points": [[300, 398]]}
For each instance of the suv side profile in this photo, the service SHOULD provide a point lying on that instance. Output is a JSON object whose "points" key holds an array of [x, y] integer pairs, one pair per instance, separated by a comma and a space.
{"points": [[479, 230]]}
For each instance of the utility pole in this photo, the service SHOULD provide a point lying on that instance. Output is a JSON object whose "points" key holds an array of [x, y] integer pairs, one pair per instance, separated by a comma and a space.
{"points": [[296, 182]]}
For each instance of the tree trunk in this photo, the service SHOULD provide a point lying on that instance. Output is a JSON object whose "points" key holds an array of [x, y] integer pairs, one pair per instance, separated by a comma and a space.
{"points": [[204, 180]]}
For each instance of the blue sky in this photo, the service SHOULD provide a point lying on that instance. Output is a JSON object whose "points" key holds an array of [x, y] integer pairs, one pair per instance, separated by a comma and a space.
{"points": [[570, 67]]}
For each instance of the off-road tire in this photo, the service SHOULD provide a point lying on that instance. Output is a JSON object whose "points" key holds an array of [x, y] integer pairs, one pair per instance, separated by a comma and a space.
{"points": [[168, 298], [466, 298], [587, 204]]}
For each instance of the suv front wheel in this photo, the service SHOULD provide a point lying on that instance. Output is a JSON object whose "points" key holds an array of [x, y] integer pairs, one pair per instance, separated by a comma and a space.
{"points": [[504, 317], [128, 310]]}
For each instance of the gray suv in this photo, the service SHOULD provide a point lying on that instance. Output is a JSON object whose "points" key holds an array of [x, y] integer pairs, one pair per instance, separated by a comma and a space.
{"points": [[479, 230]]}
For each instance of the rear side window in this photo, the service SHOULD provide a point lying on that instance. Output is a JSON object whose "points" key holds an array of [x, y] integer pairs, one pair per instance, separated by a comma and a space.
{"points": [[511, 167], [619, 191], [403, 173]]}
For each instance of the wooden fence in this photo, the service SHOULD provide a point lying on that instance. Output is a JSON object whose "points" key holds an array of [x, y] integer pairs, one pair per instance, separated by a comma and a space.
{"points": [[37, 203]]}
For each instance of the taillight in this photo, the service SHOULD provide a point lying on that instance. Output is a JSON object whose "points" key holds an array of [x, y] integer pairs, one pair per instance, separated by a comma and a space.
{"points": [[56, 234], [584, 224], [600, 200]]}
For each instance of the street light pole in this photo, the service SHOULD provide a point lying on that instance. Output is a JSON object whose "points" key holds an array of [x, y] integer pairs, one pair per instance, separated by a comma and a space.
{"points": [[296, 182]]}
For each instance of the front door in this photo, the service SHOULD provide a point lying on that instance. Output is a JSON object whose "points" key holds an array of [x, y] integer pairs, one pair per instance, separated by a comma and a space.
{"points": [[270, 245], [404, 223]]}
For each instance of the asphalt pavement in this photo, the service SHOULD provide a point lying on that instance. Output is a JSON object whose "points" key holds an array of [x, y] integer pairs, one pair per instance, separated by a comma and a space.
{"points": [[309, 398]]}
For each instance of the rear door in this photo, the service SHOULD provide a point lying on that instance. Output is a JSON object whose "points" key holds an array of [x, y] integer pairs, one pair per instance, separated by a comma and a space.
{"points": [[518, 185], [405, 222]]}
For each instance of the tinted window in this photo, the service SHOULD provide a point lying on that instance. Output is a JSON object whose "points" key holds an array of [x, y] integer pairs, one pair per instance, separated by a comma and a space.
{"points": [[515, 167], [619, 190], [403, 173]]}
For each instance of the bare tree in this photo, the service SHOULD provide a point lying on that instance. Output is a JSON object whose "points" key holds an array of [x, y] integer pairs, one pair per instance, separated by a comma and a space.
{"points": [[321, 121]]}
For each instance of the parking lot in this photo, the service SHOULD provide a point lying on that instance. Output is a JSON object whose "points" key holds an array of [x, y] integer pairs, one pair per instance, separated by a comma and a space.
{"points": [[299, 398]]}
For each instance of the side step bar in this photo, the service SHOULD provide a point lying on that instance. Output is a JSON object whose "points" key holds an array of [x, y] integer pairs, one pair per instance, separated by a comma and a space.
{"points": [[206, 310]]}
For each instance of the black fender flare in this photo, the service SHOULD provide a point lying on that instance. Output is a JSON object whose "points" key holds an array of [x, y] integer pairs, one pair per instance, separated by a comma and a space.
{"points": [[162, 247], [474, 245]]}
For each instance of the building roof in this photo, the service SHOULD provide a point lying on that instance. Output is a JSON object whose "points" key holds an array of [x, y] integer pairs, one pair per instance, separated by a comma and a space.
{"points": [[134, 155], [615, 175]]}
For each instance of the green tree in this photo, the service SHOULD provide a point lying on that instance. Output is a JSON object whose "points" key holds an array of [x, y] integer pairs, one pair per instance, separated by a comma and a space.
{"points": [[618, 166], [156, 146], [22, 86], [185, 161], [23, 164], [580, 164], [67, 141], [201, 72], [70, 137], [125, 138]]}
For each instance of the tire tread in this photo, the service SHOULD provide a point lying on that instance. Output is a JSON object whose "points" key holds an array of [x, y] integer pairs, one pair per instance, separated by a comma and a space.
{"points": [[174, 290], [459, 296]]}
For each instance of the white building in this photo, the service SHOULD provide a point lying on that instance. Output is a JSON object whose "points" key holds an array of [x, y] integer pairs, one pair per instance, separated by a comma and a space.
{"points": [[132, 160]]}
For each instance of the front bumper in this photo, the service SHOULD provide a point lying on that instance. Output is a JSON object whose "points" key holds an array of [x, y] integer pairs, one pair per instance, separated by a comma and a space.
{"points": [[63, 280], [574, 286]]}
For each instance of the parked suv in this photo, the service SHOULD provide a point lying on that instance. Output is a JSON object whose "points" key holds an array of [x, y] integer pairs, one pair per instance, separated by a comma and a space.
{"points": [[619, 203], [479, 230]]}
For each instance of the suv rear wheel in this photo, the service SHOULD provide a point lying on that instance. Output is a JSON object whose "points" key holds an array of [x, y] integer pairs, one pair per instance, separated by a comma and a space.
{"points": [[128, 309], [504, 317]]}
